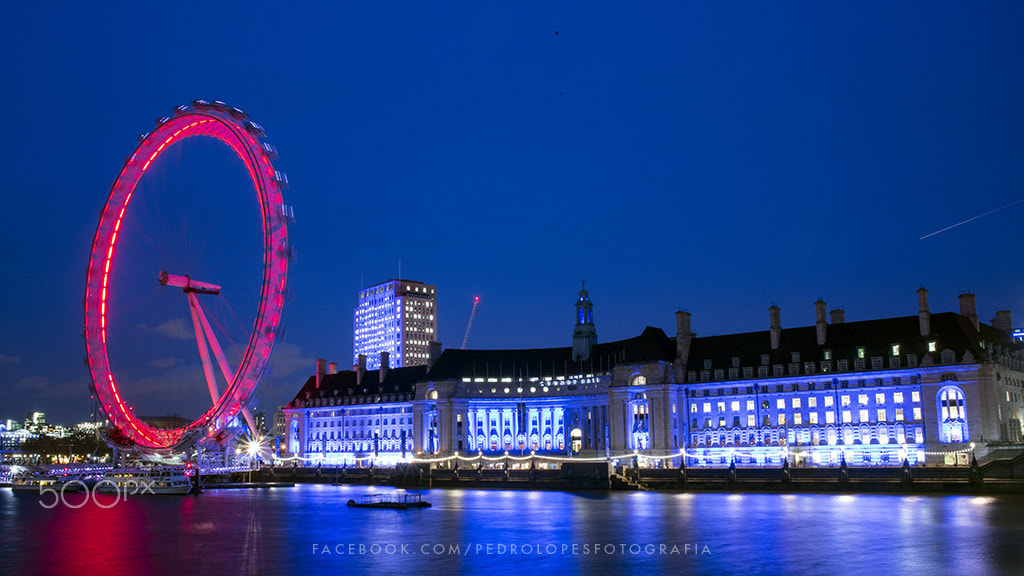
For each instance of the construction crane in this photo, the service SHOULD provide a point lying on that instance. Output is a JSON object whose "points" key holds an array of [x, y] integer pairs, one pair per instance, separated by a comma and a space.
{"points": [[465, 340]]}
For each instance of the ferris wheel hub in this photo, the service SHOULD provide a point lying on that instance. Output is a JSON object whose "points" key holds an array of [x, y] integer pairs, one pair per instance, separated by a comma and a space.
{"points": [[187, 284]]}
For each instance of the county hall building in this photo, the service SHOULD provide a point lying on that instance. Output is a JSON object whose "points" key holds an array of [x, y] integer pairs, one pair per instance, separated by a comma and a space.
{"points": [[926, 388]]}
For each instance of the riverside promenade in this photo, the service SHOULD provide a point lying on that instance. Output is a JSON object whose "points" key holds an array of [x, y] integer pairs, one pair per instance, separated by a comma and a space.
{"points": [[1005, 476]]}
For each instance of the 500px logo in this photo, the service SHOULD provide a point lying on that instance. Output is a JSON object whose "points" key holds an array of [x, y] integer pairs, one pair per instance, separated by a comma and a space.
{"points": [[119, 492]]}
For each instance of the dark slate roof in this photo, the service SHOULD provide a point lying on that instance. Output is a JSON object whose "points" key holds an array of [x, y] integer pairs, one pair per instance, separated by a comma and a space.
{"points": [[343, 384], [948, 330], [651, 345]]}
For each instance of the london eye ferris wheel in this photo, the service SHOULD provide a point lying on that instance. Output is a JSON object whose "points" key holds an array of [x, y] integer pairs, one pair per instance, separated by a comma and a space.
{"points": [[231, 373]]}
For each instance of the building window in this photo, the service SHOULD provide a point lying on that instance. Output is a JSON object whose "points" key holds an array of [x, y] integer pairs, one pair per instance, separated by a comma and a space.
{"points": [[931, 346], [782, 419], [917, 413], [897, 397], [828, 354], [639, 380], [895, 349], [915, 396], [881, 414], [862, 399], [721, 406], [952, 415], [864, 416], [796, 402], [780, 404], [847, 417], [899, 414], [813, 417], [830, 417], [750, 404], [751, 420], [880, 398], [797, 419], [860, 352], [735, 405], [707, 407]]}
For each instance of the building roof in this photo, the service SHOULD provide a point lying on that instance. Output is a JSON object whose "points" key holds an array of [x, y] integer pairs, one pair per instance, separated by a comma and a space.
{"points": [[397, 381], [948, 330], [651, 345]]}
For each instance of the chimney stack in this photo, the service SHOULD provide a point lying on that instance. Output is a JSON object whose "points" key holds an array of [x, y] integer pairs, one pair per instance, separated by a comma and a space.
{"points": [[321, 367], [838, 315], [1004, 321], [383, 366], [924, 317], [820, 323], [969, 308], [776, 328], [683, 338], [332, 368], [360, 369]]}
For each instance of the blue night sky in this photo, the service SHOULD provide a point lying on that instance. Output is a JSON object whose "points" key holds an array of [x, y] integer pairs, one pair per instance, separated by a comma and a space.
{"points": [[714, 157]]}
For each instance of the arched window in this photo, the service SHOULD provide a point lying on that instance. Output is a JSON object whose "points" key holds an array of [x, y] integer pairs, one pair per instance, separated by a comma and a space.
{"points": [[638, 380], [952, 411]]}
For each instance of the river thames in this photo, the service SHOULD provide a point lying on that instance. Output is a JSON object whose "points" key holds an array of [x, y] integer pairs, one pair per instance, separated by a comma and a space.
{"points": [[309, 529]]}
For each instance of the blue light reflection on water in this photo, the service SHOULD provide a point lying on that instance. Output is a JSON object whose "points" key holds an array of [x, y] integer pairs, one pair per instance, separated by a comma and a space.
{"points": [[274, 531]]}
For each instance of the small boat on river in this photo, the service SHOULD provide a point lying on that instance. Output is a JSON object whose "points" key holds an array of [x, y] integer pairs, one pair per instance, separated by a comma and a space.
{"points": [[390, 501]]}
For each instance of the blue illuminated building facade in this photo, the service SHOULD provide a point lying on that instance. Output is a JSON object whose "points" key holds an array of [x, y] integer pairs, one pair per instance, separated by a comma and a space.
{"points": [[354, 417], [929, 389], [398, 317]]}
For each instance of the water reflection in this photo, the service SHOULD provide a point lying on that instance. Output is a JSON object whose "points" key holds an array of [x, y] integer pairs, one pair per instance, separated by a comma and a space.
{"points": [[310, 528]]}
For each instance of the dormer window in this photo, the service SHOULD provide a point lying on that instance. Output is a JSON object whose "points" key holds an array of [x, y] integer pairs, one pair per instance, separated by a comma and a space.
{"points": [[707, 364], [932, 347], [796, 357], [828, 354], [735, 361], [764, 359], [895, 349], [860, 351], [638, 380]]}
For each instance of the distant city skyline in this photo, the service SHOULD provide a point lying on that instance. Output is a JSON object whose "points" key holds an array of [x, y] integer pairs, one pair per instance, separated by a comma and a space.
{"points": [[712, 158]]}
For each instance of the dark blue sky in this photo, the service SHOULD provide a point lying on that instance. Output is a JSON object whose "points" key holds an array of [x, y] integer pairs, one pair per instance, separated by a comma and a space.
{"points": [[717, 157]]}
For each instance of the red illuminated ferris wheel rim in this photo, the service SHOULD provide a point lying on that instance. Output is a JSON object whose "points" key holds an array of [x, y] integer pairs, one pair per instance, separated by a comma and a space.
{"points": [[231, 127]]}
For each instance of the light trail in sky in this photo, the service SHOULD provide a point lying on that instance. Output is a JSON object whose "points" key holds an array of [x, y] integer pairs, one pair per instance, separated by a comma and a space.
{"points": [[971, 219]]}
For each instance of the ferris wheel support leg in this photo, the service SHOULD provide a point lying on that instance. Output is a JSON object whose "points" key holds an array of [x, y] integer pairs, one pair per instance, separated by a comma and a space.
{"points": [[218, 353], [204, 354]]}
